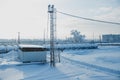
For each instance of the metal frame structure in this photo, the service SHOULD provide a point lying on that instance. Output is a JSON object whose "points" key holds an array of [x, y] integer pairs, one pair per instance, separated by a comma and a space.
{"points": [[52, 13]]}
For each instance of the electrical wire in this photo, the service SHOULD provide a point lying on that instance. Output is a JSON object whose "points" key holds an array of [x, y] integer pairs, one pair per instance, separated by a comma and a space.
{"points": [[89, 18]]}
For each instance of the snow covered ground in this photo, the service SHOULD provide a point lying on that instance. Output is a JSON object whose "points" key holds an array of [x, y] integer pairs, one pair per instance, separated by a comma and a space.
{"points": [[88, 64]]}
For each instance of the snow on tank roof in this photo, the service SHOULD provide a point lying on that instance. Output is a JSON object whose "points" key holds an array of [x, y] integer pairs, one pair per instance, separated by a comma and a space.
{"points": [[30, 46]]}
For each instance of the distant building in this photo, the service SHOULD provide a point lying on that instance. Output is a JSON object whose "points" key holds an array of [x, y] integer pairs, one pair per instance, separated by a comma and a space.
{"points": [[111, 38]]}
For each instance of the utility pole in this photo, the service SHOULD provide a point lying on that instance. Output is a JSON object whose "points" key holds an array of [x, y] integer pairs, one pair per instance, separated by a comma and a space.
{"points": [[100, 40], [93, 38], [51, 11], [44, 37], [18, 37]]}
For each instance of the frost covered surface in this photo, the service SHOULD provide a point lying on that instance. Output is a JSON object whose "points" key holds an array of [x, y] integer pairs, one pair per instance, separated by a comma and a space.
{"points": [[7, 48], [29, 46], [108, 56], [11, 74], [74, 46], [94, 64]]}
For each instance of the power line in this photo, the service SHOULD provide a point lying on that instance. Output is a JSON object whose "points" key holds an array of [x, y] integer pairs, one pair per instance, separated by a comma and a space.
{"points": [[89, 18]]}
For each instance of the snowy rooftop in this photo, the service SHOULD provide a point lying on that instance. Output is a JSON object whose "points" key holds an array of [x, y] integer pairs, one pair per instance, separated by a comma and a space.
{"points": [[29, 46]]}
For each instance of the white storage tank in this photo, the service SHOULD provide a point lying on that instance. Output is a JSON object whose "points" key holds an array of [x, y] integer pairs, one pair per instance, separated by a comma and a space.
{"points": [[32, 53]]}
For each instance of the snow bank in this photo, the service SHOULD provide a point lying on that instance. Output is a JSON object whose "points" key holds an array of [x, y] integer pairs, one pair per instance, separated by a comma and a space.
{"points": [[7, 74], [108, 56], [10, 57], [74, 46], [7, 48], [2, 49]]}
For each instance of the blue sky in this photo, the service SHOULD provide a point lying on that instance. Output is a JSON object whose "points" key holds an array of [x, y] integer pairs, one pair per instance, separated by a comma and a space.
{"points": [[29, 17]]}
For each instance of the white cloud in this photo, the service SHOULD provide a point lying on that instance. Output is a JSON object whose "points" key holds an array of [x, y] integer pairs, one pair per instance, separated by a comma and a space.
{"points": [[105, 9], [112, 14]]}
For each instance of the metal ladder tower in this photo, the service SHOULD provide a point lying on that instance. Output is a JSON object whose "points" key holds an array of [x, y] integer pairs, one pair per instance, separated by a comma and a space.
{"points": [[52, 13]]}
